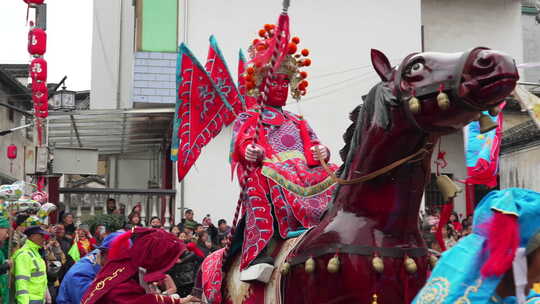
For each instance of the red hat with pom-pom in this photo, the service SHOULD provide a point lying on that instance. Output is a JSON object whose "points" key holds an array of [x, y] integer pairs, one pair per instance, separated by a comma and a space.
{"points": [[154, 250]]}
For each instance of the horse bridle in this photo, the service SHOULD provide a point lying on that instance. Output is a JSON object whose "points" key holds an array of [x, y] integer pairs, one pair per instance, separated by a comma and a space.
{"points": [[449, 86]]}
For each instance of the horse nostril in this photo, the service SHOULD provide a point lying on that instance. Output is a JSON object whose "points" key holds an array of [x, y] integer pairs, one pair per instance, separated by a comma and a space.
{"points": [[484, 62]]}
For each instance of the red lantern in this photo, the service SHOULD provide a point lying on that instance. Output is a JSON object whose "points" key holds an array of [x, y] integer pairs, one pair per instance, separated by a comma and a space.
{"points": [[42, 114], [37, 41], [34, 1], [40, 93], [38, 69], [39, 107], [12, 152]]}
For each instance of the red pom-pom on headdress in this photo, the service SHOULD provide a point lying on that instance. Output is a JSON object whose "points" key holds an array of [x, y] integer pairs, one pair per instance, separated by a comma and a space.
{"points": [[120, 246], [502, 243]]}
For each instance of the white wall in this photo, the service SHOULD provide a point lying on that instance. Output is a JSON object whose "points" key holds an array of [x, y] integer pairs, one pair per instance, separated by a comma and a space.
{"points": [[458, 25], [520, 169], [112, 54], [339, 35]]}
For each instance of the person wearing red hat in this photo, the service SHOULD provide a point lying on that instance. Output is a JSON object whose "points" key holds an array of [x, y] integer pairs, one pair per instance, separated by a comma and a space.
{"points": [[138, 261]]}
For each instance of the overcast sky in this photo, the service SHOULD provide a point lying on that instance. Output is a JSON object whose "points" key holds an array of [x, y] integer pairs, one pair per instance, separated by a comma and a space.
{"points": [[69, 39]]}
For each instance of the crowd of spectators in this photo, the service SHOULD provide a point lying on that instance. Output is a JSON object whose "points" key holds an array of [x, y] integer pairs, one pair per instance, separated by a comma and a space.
{"points": [[455, 228], [57, 250]]}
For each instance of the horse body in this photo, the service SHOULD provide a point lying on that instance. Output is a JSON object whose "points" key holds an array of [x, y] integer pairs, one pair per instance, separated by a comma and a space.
{"points": [[378, 218]]}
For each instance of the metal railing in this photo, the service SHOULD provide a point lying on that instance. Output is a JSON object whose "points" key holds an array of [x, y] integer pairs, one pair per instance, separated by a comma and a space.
{"points": [[85, 202]]}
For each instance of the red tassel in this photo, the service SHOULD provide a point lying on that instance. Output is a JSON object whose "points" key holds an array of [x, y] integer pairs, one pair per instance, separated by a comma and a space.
{"points": [[120, 246], [502, 243], [443, 220], [193, 247]]}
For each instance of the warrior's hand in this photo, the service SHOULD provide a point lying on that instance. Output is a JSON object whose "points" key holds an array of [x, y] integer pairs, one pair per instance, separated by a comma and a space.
{"points": [[254, 153], [323, 152]]}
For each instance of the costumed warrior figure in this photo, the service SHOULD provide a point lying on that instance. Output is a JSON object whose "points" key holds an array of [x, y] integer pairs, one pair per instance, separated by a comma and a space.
{"points": [[276, 153], [136, 262], [499, 261]]}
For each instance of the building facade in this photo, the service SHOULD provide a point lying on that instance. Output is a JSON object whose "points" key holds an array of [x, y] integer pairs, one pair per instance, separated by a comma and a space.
{"points": [[15, 99]]}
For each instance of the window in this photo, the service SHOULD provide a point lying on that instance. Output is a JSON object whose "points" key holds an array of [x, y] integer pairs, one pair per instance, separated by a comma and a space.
{"points": [[157, 25], [11, 115], [433, 197]]}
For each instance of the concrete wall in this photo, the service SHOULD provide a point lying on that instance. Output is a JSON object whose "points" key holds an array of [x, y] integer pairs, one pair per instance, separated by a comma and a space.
{"points": [[339, 35], [520, 169], [531, 46], [461, 24], [112, 54], [458, 25]]}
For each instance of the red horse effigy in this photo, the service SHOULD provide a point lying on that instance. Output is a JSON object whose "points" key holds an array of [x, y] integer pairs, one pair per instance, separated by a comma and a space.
{"points": [[367, 247]]}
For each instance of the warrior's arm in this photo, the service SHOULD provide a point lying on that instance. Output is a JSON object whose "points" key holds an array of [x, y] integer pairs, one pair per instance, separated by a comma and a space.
{"points": [[244, 148]]}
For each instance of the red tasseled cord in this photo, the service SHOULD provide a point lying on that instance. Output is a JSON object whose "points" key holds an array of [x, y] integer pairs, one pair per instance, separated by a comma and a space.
{"points": [[443, 220], [119, 246], [502, 243]]}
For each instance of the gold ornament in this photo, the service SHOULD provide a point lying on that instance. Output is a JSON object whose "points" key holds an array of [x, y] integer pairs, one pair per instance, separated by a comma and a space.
{"points": [[378, 264], [448, 188], [285, 268], [374, 299], [433, 260], [410, 265], [414, 105], [486, 123], [310, 265], [333, 264], [443, 101]]}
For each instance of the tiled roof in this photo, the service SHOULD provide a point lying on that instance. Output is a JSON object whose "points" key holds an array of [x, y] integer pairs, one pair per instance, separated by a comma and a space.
{"points": [[522, 136]]}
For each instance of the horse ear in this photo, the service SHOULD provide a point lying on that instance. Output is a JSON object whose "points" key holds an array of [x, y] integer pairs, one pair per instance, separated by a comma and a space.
{"points": [[381, 64]]}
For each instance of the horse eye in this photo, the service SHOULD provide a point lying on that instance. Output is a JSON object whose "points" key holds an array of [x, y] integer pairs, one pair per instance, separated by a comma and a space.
{"points": [[417, 67]]}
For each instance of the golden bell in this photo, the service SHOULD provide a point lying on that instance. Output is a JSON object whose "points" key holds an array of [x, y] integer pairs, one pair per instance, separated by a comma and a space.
{"points": [[433, 260], [333, 264], [448, 188], [443, 101], [310, 265], [486, 123], [494, 111], [414, 105], [285, 268], [378, 264], [410, 265], [374, 299]]}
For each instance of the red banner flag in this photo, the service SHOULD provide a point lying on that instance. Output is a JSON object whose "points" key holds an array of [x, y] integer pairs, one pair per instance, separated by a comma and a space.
{"points": [[202, 111], [219, 73]]}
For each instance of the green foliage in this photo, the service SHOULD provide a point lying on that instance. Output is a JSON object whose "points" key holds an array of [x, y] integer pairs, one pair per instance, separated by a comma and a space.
{"points": [[112, 222]]}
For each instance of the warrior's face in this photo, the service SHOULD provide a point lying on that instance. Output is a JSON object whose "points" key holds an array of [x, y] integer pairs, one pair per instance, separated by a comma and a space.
{"points": [[278, 90]]}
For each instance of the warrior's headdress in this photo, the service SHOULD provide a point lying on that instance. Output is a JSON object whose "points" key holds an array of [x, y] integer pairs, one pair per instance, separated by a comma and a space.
{"points": [[289, 60]]}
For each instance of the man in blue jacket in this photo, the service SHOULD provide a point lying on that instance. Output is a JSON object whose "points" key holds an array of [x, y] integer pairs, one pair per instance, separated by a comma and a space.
{"points": [[81, 275]]}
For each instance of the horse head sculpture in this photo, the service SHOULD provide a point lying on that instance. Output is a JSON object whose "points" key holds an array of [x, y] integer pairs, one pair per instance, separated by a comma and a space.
{"points": [[368, 246]]}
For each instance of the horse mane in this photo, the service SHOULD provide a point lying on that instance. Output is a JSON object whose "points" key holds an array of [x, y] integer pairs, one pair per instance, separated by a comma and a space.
{"points": [[374, 109]]}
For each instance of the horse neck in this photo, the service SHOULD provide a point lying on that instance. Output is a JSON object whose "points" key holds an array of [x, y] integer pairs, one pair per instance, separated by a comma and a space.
{"points": [[390, 201]]}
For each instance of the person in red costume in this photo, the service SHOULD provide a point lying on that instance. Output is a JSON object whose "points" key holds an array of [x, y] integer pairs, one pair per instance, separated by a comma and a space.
{"points": [[137, 263], [277, 156]]}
